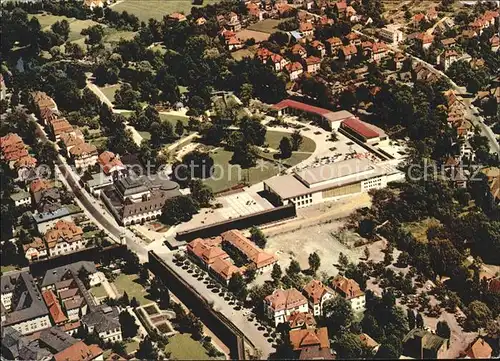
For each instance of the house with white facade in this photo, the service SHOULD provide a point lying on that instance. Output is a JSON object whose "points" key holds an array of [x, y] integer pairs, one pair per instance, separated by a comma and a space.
{"points": [[317, 294], [350, 290], [64, 237], [281, 304]]}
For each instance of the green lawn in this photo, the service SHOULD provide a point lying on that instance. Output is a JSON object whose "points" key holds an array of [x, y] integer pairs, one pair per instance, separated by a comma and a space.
{"points": [[131, 346], [114, 36], [266, 26], [183, 347], [419, 229], [145, 135], [156, 9], [99, 291], [173, 118], [110, 91], [227, 175], [128, 284], [8, 268], [75, 25], [273, 139]]}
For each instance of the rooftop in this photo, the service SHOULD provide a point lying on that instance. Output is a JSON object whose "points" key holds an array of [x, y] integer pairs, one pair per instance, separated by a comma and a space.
{"points": [[285, 299]]}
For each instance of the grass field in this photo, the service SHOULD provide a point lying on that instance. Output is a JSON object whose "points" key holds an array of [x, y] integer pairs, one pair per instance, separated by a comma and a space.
{"points": [[227, 175], [273, 139], [157, 9], [131, 346], [114, 36], [419, 229], [8, 268], [242, 53], [76, 26], [109, 91], [144, 134], [99, 291], [129, 284], [183, 347], [266, 26]]}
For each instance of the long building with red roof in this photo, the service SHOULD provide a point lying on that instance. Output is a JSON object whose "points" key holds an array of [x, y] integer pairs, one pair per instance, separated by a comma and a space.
{"points": [[324, 117], [361, 130]]}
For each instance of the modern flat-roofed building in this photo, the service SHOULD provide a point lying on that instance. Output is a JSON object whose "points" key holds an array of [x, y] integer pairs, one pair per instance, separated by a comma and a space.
{"points": [[330, 182], [322, 116], [391, 34]]}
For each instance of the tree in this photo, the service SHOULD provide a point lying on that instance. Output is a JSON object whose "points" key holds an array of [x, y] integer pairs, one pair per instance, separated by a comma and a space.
{"points": [[119, 348], [276, 273], [124, 300], [258, 237], [246, 93], [293, 269], [338, 314], [127, 98], [297, 140], [146, 351], [388, 258], [387, 352], [349, 346], [285, 148], [178, 209], [419, 321], [343, 260], [245, 155], [201, 193], [134, 303], [366, 252], [478, 315], [250, 274], [314, 262], [46, 154], [254, 132], [179, 128], [61, 28], [127, 322], [403, 259], [95, 34], [237, 285], [411, 318], [443, 330]]}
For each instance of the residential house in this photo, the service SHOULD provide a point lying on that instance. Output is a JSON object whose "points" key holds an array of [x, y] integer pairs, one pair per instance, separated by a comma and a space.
{"points": [[422, 344], [311, 344], [313, 64], [21, 198], [15, 346], [47, 200], [41, 101], [317, 294], [92, 4], [369, 343], [469, 34], [279, 305], [38, 187], [448, 43], [233, 43], [333, 44], [25, 167], [306, 29], [279, 63], [111, 164], [35, 250], [104, 321], [432, 14], [350, 290], [391, 34], [493, 175], [57, 315], [254, 12], [447, 58], [298, 51], [22, 304], [351, 14], [398, 60], [69, 140], [59, 126], [84, 155], [63, 347], [294, 70], [258, 259], [299, 320], [229, 21], [318, 48], [223, 269], [341, 8], [354, 39], [425, 40], [177, 17], [348, 51], [495, 43], [13, 150], [419, 18], [379, 51], [64, 237]]}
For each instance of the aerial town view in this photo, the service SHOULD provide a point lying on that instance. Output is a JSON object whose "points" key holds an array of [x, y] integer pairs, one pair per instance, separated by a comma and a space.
{"points": [[249, 179]]}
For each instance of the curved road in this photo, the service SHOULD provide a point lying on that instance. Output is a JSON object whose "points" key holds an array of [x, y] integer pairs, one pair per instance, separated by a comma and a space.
{"points": [[475, 120]]}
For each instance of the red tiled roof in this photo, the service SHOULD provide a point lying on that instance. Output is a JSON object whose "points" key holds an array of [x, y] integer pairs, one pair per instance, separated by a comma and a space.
{"points": [[315, 290], [285, 299], [359, 127], [56, 312], [289, 103], [79, 351], [306, 338], [348, 287], [313, 60], [479, 349]]}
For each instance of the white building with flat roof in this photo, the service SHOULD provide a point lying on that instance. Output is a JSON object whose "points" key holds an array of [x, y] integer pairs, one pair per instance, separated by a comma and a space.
{"points": [[391, 34], [331, 181]]}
